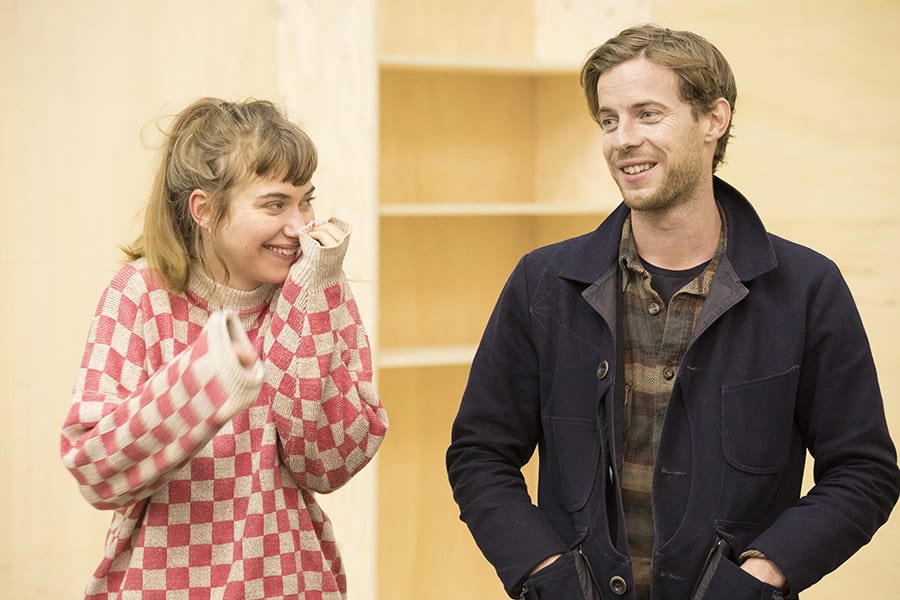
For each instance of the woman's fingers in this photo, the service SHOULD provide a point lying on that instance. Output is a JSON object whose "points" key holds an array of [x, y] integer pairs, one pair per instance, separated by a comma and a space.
{"points": [[327, 234]]}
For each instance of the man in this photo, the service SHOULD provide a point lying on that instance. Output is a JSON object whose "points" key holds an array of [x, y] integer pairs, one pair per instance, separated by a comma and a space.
{"points": [[673, 368]]}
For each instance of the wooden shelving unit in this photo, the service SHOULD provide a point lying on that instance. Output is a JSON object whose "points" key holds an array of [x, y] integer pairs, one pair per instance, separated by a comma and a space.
{"points": [[486, 151]]}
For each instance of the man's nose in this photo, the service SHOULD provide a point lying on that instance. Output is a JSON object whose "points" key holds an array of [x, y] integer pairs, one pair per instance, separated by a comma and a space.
{"points": [[628, 135]]}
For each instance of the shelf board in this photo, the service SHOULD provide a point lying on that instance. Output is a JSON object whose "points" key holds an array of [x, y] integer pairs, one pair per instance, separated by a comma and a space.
{"points": [[423, 209], [404, 62], [425, 356]]}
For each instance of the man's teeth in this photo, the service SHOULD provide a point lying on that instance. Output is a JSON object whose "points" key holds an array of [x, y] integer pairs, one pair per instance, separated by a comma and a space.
{"points": [[283, 251], [635, 169]]}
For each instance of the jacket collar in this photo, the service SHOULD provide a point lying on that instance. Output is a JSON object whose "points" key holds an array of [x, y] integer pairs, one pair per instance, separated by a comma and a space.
{"points": [[749, 249]]}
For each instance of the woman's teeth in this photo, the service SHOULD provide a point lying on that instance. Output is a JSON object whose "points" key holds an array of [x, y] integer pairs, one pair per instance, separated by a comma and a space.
{"points": [[283, 251]]}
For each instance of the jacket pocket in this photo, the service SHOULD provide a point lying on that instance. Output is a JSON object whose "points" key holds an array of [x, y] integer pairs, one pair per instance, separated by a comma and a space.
{"points": [[758, 421], [723, 579], [577, 449], [568, 578]]}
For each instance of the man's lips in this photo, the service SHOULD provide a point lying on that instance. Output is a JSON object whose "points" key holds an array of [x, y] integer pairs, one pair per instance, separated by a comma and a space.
{"points": [[637, 168]]}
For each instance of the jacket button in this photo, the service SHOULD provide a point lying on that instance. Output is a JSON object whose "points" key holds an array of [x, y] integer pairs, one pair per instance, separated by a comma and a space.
{"points": [[669, 373], [617, 585], [653, 309], [602, 369]]}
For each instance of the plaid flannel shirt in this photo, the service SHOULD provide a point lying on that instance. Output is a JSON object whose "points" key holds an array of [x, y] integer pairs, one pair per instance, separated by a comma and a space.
{"points": [[656, 337]]}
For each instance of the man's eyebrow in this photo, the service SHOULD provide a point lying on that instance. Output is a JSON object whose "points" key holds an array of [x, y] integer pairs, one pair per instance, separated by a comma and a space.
{"points": [[636, 106]]}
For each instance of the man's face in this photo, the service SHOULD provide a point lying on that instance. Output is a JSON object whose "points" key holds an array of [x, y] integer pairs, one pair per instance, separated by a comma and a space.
{"points": [[659, 155]]}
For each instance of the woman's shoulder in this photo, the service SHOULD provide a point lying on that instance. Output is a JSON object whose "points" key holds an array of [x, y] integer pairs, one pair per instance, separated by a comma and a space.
{"points": [[135, 280]]}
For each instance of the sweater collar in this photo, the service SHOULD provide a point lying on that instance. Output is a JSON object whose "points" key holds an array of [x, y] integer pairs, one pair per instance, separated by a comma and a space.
{"points": [[219, 297]]}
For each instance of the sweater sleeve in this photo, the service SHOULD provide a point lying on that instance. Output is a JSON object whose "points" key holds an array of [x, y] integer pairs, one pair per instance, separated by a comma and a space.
{"points": [[128, 430], [329, 419]]}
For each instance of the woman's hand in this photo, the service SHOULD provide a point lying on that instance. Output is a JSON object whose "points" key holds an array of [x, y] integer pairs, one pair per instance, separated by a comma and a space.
{"points": [[327, 234], [245, 353], [243, 349]]}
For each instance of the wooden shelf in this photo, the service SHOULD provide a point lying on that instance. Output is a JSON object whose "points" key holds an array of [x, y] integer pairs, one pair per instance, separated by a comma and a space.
{"points": [[403, 62], [410, 209], [461, 139], [425, 356], [486, 151]]}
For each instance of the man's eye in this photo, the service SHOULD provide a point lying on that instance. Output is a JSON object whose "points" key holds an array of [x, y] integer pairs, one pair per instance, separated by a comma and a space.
{"points": [[649, 114], [308, 201], [275, 205], [607, 124]]}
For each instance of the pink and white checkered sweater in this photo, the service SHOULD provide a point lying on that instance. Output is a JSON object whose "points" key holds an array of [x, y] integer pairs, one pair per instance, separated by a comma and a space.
{"points": [[211, 468]]}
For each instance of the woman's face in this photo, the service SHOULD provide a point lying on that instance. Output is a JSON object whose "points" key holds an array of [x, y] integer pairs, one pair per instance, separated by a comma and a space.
{"points": [[258, 239]]}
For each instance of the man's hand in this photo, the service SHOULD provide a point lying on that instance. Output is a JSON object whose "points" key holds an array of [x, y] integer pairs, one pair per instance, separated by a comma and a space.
{"points": [[765, 570], [544, 563]]}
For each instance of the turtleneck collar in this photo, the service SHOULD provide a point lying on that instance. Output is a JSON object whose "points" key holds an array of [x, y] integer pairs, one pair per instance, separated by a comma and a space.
{"points": [[203, 290]]}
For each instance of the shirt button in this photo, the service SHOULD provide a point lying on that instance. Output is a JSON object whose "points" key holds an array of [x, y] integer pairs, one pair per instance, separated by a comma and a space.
{"points": [[617, 585], [668, 373], [653, 309], [602, 369]]}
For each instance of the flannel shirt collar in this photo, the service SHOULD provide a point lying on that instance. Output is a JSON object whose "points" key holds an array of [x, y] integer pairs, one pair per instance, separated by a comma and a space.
{"points": [[632, 267]]}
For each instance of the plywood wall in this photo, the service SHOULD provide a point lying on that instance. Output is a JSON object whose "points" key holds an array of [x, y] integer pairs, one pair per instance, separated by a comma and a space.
{"points": [[83, 86], [82, 83]]}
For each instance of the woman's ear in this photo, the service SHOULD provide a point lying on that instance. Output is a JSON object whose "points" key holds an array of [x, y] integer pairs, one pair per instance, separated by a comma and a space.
{"points": [[199, 206]]}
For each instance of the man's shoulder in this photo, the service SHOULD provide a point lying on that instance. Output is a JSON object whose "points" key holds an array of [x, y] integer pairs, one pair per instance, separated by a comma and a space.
{"points": [[585, 257], [558, 256], [797, 255], [560, 249]]}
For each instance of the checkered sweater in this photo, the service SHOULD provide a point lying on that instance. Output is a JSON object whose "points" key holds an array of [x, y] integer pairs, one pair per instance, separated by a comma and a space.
{"points": [[212, 468]]}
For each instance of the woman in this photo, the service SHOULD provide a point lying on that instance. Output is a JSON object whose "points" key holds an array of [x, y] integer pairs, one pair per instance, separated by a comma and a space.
{"points": [[227, 376]]}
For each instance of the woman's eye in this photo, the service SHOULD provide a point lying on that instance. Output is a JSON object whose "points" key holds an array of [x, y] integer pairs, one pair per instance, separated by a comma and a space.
{"points": [[275, 205]]}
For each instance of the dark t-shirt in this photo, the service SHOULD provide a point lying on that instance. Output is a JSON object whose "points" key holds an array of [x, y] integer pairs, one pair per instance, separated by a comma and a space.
{"points": [[666, 282]]}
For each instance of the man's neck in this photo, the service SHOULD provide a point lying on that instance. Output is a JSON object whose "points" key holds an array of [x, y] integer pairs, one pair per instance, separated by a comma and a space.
{"points": [[680, 237]]}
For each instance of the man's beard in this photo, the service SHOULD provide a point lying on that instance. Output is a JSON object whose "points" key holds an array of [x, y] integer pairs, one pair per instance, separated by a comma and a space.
{"points": [[677, 187]]}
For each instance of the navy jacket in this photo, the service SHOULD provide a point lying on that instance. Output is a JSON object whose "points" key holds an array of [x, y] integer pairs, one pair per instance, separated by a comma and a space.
{"points": [[779, 364]]}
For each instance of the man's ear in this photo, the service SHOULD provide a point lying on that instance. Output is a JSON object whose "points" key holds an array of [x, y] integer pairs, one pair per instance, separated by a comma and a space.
{"points": [[719, 119], [199, 206]]}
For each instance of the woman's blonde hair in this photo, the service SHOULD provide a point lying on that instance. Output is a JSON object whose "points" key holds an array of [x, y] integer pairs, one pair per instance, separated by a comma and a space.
{"points": [[214, 145]]}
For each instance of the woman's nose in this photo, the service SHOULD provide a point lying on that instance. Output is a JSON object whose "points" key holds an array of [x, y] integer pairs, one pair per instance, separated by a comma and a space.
{"points": [[297, 219]]}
